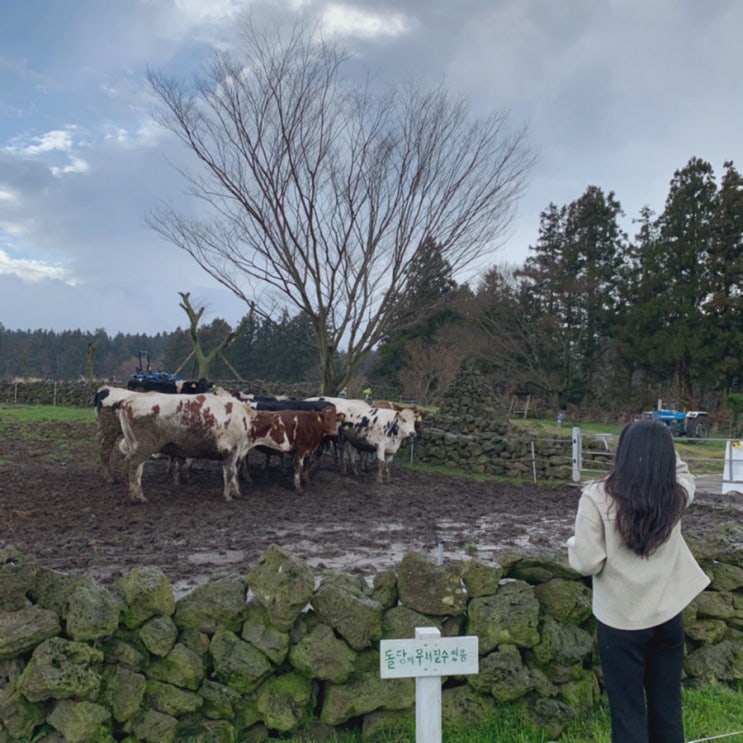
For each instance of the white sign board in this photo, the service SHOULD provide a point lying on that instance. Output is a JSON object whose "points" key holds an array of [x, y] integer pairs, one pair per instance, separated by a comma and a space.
{"points": [[428, 657], [443, 656], [732, 473]]}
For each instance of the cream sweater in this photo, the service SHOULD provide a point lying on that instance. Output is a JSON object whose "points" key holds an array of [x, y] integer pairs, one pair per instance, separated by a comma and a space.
{"points": [[632, 592]]}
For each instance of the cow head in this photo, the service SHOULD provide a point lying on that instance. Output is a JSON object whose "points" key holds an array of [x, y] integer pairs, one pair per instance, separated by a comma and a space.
{"points": [[407, 420], [330, 420], [269, 429]]}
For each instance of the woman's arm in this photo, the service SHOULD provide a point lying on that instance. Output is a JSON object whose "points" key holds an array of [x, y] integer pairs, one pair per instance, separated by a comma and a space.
{"points": [[587, 547], [685, 479]]}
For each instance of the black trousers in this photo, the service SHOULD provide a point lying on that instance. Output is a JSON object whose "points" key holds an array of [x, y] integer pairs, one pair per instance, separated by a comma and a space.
{"points": [[642, 676]]}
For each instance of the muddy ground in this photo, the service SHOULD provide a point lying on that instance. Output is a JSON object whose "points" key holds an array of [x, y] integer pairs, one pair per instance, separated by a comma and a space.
{"points": [[55, 504]]}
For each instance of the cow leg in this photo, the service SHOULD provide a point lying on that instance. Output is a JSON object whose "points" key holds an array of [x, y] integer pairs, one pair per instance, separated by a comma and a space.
{"points": [[180, 468], [105, 453], [245, 470], [229, 473], [108, 437], [341, 455], [185, 467], [134, 474], [350, 451], [388, 467], [308, 460], [174, 469], [381, 464], [339, 449], [298, 467]]}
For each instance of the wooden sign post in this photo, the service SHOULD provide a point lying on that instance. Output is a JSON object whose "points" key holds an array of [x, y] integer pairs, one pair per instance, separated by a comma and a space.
{"points": [[427, 658]]}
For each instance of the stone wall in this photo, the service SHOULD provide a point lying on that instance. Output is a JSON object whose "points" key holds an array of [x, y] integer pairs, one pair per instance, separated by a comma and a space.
{"points": [[471, 431], [49, 392], [79, 394], [273, 651]]}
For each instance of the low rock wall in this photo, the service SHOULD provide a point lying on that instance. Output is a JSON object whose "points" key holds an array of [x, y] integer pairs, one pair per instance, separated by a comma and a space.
{"points": [[510, 453], [49, 392], [275, 651], [79, 394]]}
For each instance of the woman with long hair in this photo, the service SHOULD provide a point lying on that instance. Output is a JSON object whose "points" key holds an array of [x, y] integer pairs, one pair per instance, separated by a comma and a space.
{"points": [[628, 538]]}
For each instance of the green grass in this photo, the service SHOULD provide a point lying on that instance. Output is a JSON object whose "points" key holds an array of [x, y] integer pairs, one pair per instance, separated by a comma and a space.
{"points": [[702, 457], [55, 443], [710, 711], [33, 414]]}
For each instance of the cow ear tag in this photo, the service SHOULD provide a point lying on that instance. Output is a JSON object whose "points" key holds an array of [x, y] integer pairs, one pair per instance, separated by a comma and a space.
{"points": [[319, 419]]}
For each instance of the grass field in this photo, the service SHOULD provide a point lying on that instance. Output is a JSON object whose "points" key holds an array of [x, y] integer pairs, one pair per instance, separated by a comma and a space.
{"points": [[703, 457], [709, 713], [43, 414]]}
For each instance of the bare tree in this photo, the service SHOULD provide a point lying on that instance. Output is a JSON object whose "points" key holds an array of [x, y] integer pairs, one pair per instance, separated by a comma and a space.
{"points": [[204, 360], [320, 191], [430, 368]]}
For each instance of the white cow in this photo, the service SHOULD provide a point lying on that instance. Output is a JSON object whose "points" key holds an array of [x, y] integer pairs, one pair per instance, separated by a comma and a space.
{"points": [[370, 429], [207, 426]]}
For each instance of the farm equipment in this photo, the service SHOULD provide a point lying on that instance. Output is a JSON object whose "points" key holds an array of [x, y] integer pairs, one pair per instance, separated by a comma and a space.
{"points": [[143, 372], [690, 424]]}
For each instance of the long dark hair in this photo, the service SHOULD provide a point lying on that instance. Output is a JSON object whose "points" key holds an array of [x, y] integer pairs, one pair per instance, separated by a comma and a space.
{"points": [[642, 483]]}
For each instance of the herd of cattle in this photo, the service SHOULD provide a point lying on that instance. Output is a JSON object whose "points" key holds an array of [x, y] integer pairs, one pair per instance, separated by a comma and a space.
{"points": [[189, 420]]}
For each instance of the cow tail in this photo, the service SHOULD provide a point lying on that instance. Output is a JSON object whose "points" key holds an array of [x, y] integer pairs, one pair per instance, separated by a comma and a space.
{"points": [[126, 429]]}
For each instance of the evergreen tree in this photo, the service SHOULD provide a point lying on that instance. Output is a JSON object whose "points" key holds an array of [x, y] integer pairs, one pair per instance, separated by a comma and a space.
{"points": [[595, 248], [633, 356], [723, 305], [428, 304], [570, 288], [679, 280]]}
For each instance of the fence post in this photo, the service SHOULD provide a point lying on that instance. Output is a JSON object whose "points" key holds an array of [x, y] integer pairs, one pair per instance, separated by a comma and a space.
{"points": [[577, 454], [427, 698]]}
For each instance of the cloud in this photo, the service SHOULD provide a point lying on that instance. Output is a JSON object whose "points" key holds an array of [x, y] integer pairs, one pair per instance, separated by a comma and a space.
{"points": [[49, 142], [52, 142], [348, 21], [76, 165], [30, 270], [198, 12]]}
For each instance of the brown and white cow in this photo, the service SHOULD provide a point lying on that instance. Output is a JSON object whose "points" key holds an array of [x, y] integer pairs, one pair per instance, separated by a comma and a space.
{"points": [[306, 430], [109, 428], [195, 426]]}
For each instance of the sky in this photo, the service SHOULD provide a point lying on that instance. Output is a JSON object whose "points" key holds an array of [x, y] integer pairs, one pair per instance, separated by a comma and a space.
{"points": [[617, 94]]}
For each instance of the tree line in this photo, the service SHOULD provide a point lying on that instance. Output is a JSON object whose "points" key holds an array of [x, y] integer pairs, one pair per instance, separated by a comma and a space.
{"points": [[263, 350], [592, 318], [599, 319]]}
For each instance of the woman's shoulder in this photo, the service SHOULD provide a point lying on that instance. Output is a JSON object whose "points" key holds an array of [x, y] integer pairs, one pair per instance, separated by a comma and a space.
{"points": [[595, 491]]}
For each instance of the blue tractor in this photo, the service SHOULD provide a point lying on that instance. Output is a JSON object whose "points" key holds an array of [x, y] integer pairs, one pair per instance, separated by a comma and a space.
{"points": [[690, 424], [144, 372]]}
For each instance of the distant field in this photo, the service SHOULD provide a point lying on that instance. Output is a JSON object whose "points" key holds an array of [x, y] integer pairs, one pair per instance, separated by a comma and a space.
{"points": [[703, 457]]}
